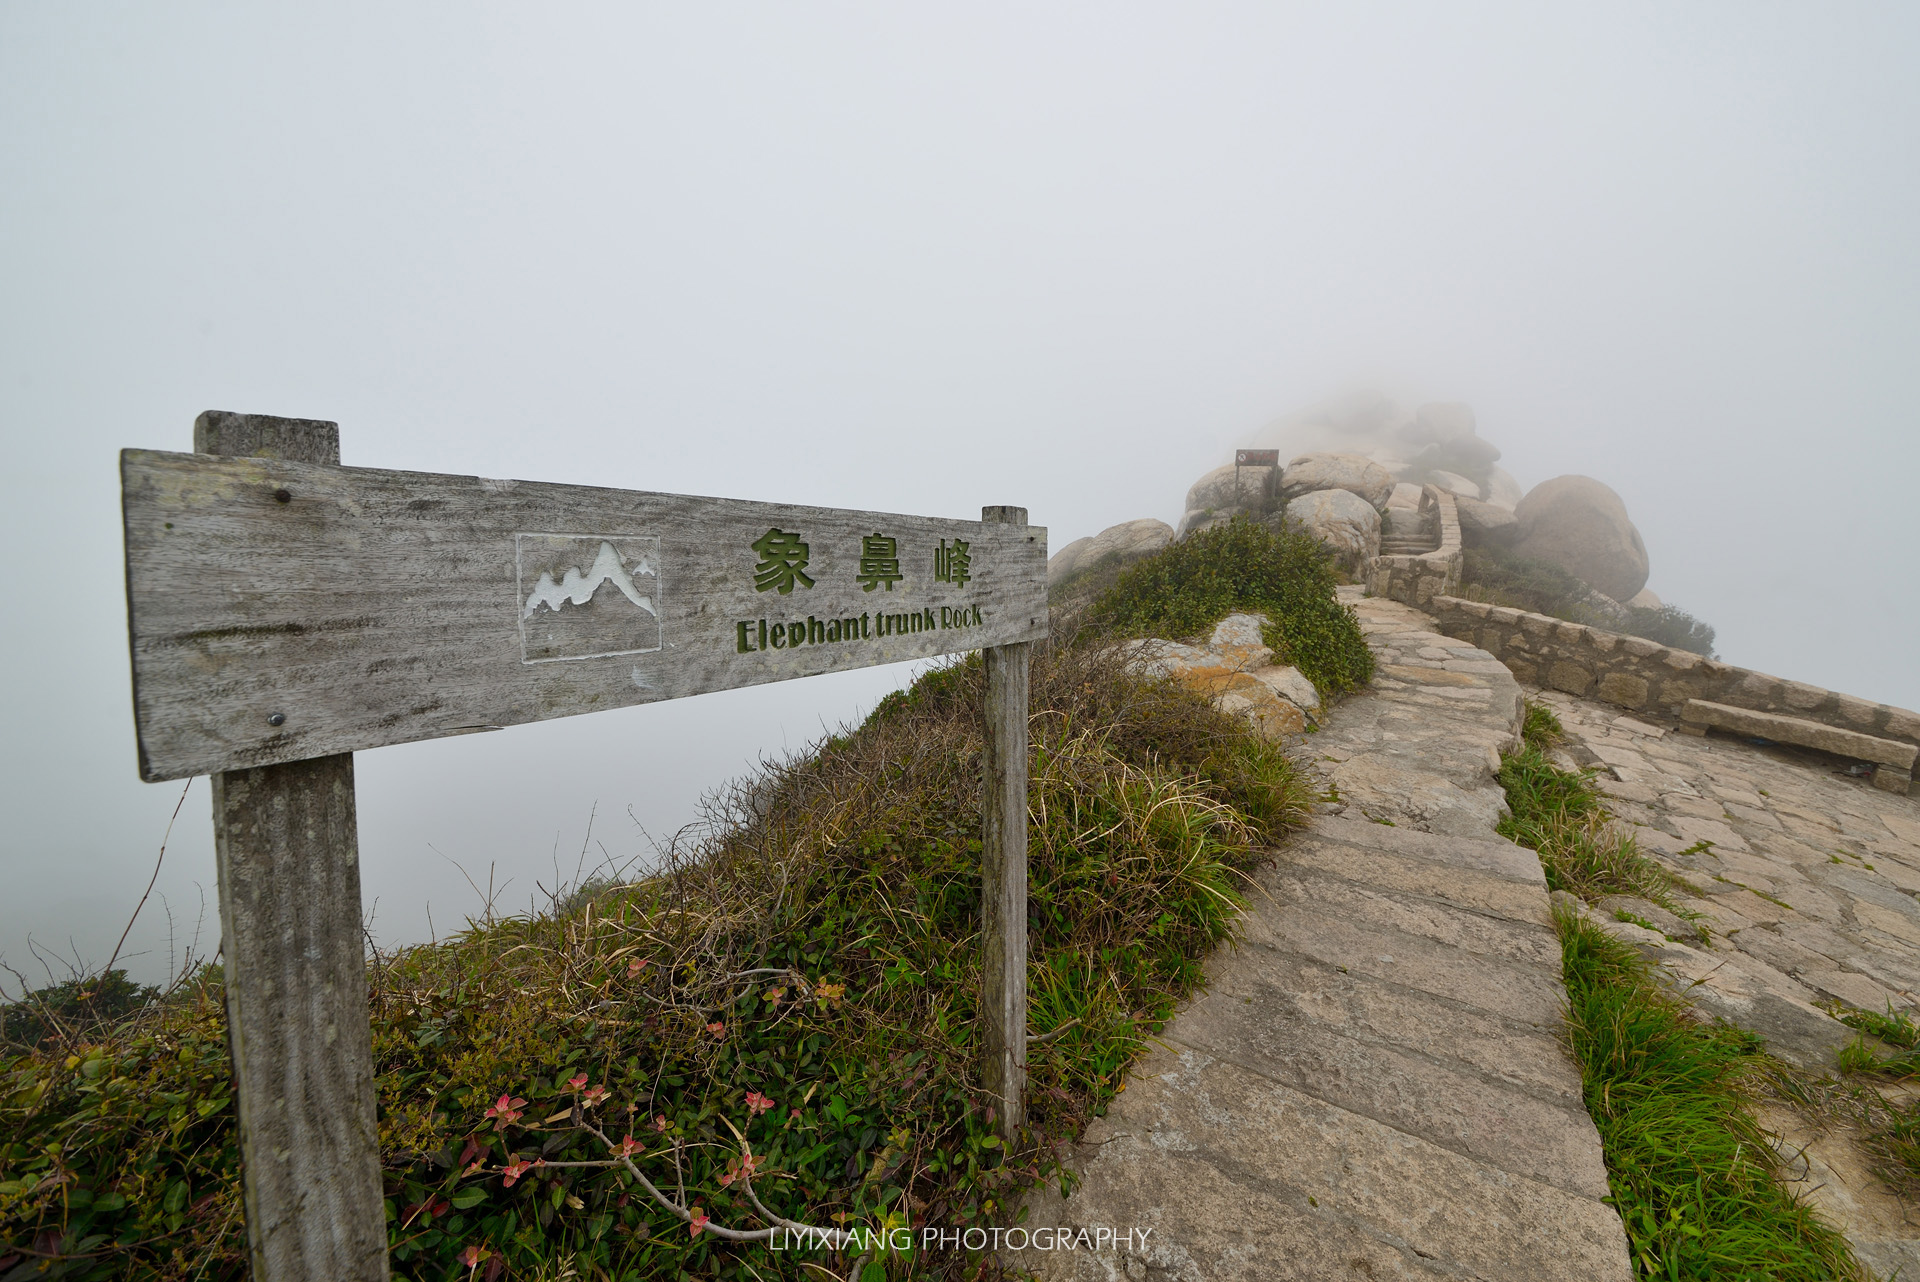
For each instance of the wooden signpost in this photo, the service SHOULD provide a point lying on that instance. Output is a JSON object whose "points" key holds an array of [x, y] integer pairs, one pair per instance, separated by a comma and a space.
{"points": [[286, 612]]}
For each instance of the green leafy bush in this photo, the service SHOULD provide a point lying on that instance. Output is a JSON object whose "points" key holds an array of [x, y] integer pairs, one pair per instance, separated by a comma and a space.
{"points": [[71, 1008], [1182, 591], [1671, 626], [802, 984]]}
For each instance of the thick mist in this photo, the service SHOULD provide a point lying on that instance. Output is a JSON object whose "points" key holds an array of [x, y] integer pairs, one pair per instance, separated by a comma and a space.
{"points": [[920, 260]]}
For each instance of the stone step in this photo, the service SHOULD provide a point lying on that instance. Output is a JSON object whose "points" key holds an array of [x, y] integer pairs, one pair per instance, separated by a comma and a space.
{"points": [[1277, 1032], [1276, 1184]]}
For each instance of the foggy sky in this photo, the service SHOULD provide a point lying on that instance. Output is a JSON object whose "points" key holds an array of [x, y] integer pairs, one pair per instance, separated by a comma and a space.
{"points": [[919, 258]]}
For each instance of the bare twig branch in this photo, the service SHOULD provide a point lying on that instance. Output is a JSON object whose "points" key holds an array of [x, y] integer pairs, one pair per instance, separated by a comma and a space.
{"points": [[151, 880]]}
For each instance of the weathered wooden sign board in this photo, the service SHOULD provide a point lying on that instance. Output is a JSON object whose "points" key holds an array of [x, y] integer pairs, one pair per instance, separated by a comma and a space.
{"points": [[282, 610], [286, 612]]}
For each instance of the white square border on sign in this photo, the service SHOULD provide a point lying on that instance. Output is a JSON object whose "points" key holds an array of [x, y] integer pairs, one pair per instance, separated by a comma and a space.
{"points": [[521, 591]]}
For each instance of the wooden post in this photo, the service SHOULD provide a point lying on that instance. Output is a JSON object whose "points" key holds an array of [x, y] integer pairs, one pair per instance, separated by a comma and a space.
{"points": [[1003, 881], [296, 979]]}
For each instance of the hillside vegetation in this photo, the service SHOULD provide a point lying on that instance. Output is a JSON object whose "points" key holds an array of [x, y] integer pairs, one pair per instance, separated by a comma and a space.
{"points": [[1500, 577], [780, 1020], [1182, 591]]}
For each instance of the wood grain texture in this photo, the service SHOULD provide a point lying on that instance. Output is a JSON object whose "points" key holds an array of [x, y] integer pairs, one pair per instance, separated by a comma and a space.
{"points": [[1003, 873], [304, 440], [364, 607], [287, 851], [296, 987]]}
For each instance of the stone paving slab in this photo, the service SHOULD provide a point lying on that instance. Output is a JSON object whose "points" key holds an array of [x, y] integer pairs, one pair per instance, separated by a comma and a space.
{"points": [[1491, 854], [1373, 1084]]}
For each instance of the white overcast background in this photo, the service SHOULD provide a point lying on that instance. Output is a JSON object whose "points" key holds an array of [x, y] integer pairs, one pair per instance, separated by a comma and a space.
{"points": [[918, 258]]}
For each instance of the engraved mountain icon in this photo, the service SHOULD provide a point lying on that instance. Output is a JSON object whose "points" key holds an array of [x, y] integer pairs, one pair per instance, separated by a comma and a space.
{"points": [[576, 588]]}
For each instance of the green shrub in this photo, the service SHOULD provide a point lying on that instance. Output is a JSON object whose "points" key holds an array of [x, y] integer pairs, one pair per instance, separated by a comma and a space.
{"points": [[1671, 626], [72, 1008], [804, 981], [1181, 592]]}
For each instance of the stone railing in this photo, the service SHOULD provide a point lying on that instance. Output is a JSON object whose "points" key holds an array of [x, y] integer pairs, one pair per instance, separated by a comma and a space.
{"points": [[1418, 580], [1647, 677]]}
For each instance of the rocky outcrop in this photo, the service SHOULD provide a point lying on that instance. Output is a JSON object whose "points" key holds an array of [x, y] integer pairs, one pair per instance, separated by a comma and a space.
{"points": [[1116, 545], [1235, 669], [1343, 522], [1230, 489], [1502, 489], [1580, 525], [1353, 473], [1484, 524], [1454, 483]]}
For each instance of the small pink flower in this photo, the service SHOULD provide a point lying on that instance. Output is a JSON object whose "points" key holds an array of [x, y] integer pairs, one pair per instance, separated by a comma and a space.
{"points": [[514, 1171], [474, 1256], [593, 1095], [479, 1165], [718, 1028], [794, 1115], [627, 1147], [636, 965], [660, 1123], [757, 1103], [505, 1111], [698, 1222], [575, 1082]]}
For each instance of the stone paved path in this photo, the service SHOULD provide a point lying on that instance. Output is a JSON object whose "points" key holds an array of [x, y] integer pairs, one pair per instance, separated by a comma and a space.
{"points": [[1808, 879], [1372, 1085]]}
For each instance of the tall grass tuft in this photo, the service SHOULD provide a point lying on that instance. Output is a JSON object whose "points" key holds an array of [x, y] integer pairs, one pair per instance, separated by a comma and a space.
{"points": [[1889, 1127], [1690, 1169], [1560, 814]]}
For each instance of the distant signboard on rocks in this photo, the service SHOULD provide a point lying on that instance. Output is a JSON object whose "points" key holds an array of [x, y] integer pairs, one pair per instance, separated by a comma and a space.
{"points": [[1256, 458]]}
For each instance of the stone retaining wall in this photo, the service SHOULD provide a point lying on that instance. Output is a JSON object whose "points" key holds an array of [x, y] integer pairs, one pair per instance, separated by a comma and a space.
{"points": [[1642, 675], [1418, 580]]}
